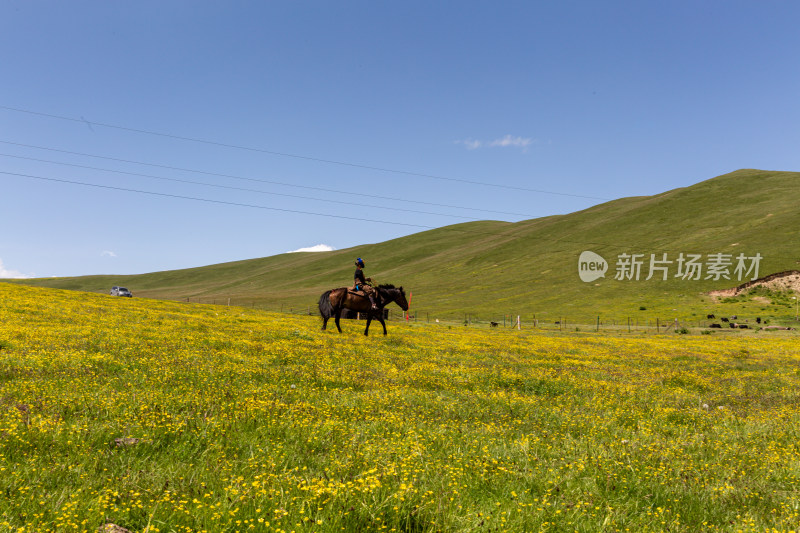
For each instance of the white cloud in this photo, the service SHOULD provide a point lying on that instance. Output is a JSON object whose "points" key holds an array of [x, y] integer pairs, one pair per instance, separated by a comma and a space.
{"points": [[317, 248], [108, 253], [4, 273], [471, 144], [508, 140], [503, 142]]}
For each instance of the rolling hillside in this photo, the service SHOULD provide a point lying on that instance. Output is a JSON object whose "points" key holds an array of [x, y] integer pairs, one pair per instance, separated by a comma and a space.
{"points": [[490, 268]]}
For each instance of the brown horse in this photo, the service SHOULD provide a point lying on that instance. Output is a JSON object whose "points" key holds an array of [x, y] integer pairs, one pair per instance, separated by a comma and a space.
{"points": [[332, 302]]}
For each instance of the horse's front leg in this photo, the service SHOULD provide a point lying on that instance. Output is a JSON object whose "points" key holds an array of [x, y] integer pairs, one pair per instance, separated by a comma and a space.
{"points": [[369, 319], [336, 319]]}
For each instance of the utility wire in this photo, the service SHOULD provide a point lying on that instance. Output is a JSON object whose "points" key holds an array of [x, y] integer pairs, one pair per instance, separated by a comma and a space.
{"points": [[208, 200], [271, 182], [254, 206], [541, 237], [298, 156], [242, 189]]}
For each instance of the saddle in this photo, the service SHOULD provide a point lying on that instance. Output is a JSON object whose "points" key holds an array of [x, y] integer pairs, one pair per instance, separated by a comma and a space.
{"points": [[362, 294], [354, 292]]}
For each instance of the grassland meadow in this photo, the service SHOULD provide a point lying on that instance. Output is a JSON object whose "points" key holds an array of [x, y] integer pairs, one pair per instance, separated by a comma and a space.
{"points": [[162, 416]]}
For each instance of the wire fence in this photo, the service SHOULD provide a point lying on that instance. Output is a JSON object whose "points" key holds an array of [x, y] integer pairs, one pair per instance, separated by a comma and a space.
{"points": [[596, 323], [539, 321]]}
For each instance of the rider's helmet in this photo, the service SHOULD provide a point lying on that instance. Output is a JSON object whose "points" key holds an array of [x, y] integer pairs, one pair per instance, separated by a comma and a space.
{"points": [[360, 262]]}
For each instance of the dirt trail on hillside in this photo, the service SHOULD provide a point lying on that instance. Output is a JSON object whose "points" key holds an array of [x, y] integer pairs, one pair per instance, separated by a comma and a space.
{"points": [[782, 281]]}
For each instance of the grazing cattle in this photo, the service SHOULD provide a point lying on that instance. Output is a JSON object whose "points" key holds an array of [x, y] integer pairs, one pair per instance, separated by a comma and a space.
{"points": [[734, 317], [715, 326], [758, 320], [493, 324], [732, 325], [743, 326], [710, 316], [724, 319]]}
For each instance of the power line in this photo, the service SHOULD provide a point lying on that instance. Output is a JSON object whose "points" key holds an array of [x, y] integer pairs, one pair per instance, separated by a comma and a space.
{"points": [[208, 200], [271, 182], [298, 156], [268, 208], [242, 189], [598, 245]]}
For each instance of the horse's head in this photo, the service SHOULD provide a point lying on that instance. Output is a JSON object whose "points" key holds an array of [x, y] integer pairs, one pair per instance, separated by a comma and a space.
{"points": [[395, 294], [400, 299]]}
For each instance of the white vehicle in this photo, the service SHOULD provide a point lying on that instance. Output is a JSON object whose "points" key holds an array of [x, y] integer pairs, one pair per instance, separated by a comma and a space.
{"points": [[120, 291]]}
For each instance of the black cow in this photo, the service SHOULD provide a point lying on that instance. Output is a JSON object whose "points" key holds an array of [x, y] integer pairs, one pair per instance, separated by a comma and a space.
{"points": [[715, 326], [710, 316]]}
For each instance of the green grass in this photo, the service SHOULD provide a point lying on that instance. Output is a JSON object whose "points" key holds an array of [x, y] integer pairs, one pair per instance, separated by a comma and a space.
{"points": [[493, 268], [245, 418]]}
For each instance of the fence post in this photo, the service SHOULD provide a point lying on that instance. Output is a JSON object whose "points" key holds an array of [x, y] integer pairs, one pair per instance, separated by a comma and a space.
{"points": [[598, 323]]}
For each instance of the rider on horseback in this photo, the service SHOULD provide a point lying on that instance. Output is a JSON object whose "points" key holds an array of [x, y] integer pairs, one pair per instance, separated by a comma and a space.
{"points": [[363, 284]]}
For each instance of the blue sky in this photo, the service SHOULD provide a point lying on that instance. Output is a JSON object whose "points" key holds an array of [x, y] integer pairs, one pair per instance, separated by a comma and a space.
{"points": [[348, 123]]}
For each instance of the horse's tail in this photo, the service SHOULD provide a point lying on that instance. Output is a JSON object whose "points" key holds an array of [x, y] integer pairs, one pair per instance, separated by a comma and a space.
{"points": [[325, 307]]}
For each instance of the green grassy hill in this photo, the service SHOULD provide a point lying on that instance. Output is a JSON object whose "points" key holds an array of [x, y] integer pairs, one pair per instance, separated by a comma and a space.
{"points": [[493, 268]]}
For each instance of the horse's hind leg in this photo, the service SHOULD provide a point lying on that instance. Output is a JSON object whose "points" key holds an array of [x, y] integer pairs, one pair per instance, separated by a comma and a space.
{"points": [[336, 319], [325, 322], [384, 326]]}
